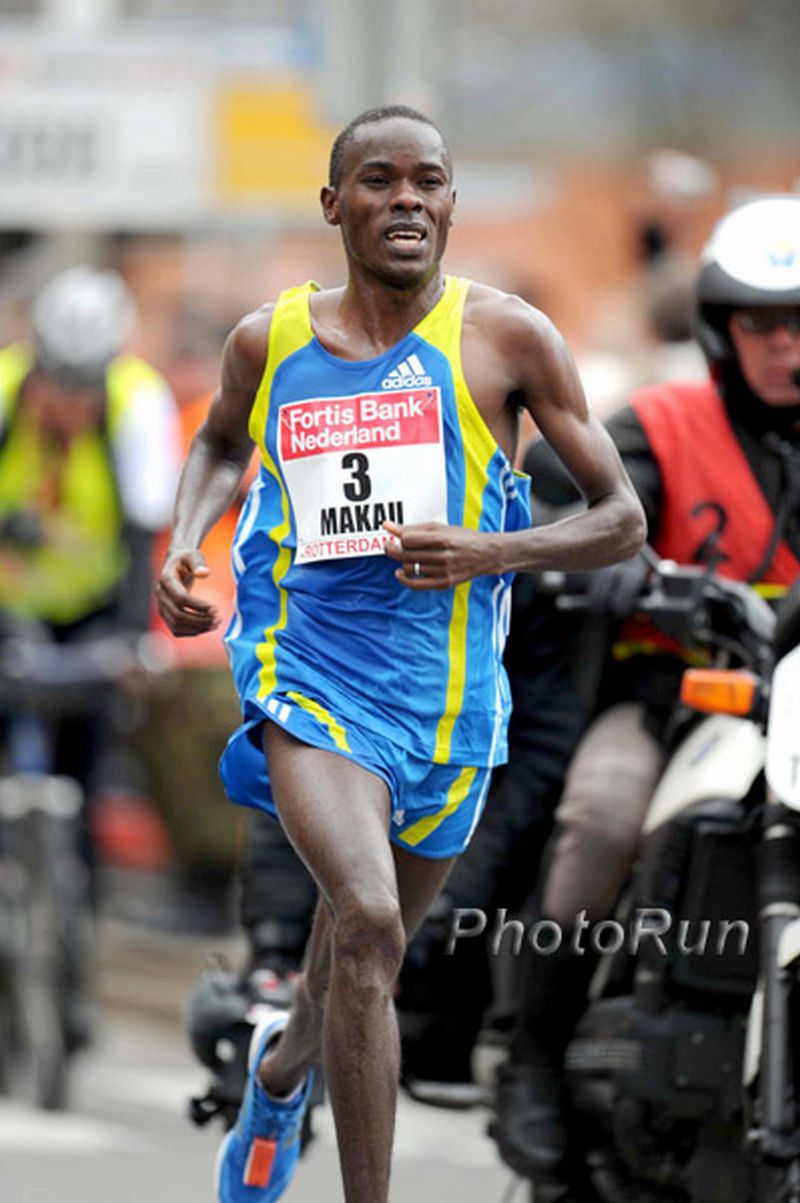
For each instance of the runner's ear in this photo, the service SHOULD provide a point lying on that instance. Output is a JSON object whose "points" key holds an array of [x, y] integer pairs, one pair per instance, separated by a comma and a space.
{"points": [[330, 205]]}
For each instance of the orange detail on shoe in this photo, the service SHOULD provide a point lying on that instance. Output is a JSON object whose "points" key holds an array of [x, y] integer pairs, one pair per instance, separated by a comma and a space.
{"points": [[259, 1163]]}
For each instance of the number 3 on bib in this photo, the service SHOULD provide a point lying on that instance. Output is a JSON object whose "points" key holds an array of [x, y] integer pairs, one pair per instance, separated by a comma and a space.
{"points": [[360, 487], [340, 496]]}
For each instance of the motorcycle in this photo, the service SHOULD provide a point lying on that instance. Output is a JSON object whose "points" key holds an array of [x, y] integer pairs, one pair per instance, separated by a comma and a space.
{"points": [[683, 1078]]}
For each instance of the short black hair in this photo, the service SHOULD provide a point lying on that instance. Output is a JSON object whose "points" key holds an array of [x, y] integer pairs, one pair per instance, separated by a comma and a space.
{"points": [[372, 117]]}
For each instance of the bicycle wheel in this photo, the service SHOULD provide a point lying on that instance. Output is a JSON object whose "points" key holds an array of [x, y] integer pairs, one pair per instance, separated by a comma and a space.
{"points": [[34, 1055], [39, 1069]]}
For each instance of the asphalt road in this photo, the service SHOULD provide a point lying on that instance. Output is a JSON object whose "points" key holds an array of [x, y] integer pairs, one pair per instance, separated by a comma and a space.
{"points": [[125, 1138]]}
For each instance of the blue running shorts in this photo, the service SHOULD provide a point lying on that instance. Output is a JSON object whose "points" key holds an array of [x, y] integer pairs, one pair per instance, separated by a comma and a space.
{"points": [[435, 807]]}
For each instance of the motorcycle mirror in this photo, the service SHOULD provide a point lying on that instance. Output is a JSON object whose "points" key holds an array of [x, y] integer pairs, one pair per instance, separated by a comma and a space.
{"points": [[720, 691]]}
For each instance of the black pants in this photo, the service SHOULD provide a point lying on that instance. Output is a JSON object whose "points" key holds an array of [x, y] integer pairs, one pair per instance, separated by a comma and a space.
{"points": [[278, 895], [443, 997]]}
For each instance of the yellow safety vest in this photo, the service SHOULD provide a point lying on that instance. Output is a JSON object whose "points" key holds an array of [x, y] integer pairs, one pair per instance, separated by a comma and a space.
{"points": [[82, 557]]}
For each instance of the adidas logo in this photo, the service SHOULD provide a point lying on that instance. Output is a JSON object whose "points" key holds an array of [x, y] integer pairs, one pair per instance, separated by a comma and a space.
{"points": [[408, 374]]}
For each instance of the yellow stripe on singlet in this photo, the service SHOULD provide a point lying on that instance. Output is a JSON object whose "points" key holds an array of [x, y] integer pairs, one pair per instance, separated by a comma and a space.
{"points": [[290, 329], [335, 728], [457, 793], [442, 329]]}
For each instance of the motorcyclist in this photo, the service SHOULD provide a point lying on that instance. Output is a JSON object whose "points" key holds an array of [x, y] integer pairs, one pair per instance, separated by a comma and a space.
{"points": [[447, 994], [89, 457], [717, 467]]}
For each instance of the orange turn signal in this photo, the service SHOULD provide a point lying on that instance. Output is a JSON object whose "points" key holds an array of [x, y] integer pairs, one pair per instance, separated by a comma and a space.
{"points": [[719, 690]]}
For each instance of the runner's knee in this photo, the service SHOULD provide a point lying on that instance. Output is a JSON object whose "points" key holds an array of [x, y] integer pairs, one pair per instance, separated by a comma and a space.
{"points": [[369, 942]]}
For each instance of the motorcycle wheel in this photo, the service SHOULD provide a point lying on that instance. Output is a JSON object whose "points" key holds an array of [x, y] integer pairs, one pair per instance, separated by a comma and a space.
{"points": [[778, 1184]]}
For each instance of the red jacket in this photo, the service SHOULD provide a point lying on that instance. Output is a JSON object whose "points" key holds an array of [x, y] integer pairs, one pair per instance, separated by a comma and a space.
{"points": [[707, 484], [707, 488]]}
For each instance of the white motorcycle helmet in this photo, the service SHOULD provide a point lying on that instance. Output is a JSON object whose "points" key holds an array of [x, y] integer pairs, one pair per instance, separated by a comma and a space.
{"points": [[751, 258], [80, 321]]}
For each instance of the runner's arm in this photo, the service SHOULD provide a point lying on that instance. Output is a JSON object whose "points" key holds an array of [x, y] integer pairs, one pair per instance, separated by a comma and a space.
{"points": [[217, 461], [544, 379], [613, 526]]}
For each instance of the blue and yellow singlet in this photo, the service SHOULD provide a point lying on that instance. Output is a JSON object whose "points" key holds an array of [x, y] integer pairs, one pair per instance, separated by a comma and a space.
{"points": [[321, 622]]}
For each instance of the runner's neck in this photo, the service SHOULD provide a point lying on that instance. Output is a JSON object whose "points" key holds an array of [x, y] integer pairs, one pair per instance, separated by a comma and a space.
{"points": [[364, 320]]}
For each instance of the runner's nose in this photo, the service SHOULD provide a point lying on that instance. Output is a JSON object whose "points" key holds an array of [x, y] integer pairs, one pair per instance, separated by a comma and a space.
{"points": [[406, 199]]}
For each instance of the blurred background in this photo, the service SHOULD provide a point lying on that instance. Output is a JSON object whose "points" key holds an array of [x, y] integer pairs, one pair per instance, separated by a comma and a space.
{"points": [[183, 143]]}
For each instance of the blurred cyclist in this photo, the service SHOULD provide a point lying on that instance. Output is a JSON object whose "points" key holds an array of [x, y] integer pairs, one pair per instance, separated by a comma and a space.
{"points": [[717, 467], [89, 456], [88, 453]]}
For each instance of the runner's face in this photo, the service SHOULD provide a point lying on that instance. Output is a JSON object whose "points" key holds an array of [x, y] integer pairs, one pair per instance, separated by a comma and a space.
{"points": [[395, 201], [768, 359]]}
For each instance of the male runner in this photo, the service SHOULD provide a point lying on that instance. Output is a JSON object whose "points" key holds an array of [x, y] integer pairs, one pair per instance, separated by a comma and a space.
{"points": [[374, 560]]}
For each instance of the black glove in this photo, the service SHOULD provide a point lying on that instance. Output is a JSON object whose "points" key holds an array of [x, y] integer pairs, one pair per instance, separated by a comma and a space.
{"points": [[613, 591], [23, 528]]}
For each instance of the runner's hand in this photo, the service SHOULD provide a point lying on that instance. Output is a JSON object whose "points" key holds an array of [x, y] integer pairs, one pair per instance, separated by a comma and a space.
{"points": [[184, 613], [433, 555]]}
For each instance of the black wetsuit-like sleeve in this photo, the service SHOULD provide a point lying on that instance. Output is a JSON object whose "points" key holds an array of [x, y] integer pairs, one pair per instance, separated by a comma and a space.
{"points": [[134, 601], [554, 488], [278, 896], [631, 441], [777, 472]]}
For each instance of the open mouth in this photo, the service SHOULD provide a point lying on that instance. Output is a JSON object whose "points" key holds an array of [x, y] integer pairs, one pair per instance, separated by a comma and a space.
{"points": [[407, 237]]}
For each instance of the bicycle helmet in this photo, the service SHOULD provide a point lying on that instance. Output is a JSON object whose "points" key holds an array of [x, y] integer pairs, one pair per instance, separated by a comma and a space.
{"points": [[751, 258], [79, 322]]}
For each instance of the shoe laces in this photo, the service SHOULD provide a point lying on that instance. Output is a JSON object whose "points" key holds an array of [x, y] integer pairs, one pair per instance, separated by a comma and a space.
{"points": [[273, 1118]]}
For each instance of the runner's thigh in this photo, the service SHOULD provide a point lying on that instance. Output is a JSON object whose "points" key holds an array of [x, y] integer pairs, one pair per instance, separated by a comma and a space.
{"points": [[336, 814]]}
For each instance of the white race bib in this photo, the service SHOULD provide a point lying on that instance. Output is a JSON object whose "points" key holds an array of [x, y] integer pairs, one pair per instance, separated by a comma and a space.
{"points": [[352, 463]]}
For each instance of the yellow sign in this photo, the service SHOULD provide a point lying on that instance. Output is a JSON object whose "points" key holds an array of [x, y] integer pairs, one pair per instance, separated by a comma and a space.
{"points": [[270, 147]]}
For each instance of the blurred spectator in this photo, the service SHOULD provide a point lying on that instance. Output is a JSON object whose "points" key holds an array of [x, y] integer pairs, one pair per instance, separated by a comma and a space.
{"points": [[670, 196], [277, 895], [88, 469], [644, 334], [187, 728]]}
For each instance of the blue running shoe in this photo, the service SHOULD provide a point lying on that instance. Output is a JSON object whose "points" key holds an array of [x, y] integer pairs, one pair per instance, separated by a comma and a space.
{"points": [[259, 1155]]}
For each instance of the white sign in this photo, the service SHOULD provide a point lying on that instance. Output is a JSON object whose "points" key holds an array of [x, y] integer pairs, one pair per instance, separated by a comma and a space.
{"points": [[352, 463], [121, 129], [102, 158]]}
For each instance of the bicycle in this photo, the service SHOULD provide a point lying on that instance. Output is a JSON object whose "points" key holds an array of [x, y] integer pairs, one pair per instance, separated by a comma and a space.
{"points": [[45, 910]]}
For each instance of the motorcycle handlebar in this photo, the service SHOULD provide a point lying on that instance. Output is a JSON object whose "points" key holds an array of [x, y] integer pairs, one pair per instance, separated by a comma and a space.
{"points": [[687, 602], [50, 676]]}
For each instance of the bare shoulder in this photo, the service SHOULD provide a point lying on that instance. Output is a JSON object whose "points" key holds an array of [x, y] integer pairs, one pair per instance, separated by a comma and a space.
{"points": [[244, 359], [513, 325], [535, 359], [245, 356]]}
